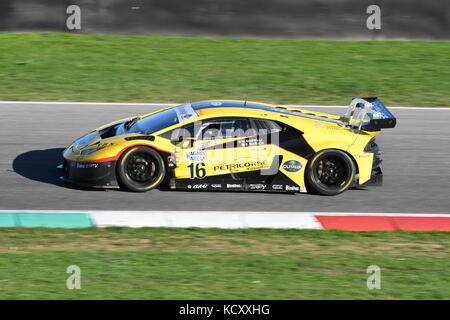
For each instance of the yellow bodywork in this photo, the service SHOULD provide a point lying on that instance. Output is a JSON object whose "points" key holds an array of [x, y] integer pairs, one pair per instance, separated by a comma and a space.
{"points": [[319, 135]]}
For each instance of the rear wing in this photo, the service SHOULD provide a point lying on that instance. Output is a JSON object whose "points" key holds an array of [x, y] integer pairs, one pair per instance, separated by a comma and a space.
{"points": [[369, 114]]}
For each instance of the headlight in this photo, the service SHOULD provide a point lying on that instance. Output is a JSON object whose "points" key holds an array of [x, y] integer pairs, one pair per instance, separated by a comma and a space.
{"points": [[89, 151]]}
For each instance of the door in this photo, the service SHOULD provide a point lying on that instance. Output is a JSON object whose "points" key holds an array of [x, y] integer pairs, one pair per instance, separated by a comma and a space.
{"points": [[226, 149]]}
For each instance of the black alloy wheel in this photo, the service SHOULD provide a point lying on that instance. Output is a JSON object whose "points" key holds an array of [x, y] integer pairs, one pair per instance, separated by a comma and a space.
{"points": [[330, 172], [140, 169]]}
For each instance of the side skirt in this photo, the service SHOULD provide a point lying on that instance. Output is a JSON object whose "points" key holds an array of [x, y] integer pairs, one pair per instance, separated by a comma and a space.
{"points": [[278, 183]]}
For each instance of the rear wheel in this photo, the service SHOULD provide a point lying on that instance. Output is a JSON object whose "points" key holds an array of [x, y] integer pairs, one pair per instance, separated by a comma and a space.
{"points": [[330, 172], [140, 169]]}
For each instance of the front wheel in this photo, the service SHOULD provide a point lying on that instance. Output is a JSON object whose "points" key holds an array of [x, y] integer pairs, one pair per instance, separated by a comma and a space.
{"points": [[330, 172], [140, 169]]}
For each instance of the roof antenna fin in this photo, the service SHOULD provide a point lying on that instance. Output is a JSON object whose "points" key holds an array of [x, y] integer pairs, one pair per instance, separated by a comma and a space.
{"points": [[245, 103]]}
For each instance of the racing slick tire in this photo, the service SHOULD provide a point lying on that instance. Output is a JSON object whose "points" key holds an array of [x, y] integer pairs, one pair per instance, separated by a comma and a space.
{"points": [[140, 169], [330, 172]]}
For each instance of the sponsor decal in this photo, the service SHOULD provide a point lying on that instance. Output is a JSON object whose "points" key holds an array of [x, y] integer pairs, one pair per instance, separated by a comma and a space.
{"points": [[216, 185], [171, 161], [243, 165], [234, 185], [292, 188], [196, 155], [185, 113], [84, 165], [257, 186], [377, 115], [205, 144], [277, 187], [200, 186], [292, 166], [250, 142], [216, 103]]}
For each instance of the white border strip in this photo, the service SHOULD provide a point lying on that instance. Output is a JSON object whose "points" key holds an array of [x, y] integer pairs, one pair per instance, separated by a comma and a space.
{"points": [[165, 104], [325, 213], [215, 219], [202, 219]]}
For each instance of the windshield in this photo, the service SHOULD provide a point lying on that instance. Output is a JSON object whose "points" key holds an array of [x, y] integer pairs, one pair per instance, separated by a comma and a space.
{"points": [[160, 120]]}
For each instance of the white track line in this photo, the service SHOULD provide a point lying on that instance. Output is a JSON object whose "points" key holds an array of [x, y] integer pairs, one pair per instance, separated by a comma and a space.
{"points": [[89, 103], [165, 104]]}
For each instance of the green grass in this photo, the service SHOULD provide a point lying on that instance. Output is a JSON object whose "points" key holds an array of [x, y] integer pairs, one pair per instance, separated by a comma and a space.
{"points": [[74, 67], [158, 263]]}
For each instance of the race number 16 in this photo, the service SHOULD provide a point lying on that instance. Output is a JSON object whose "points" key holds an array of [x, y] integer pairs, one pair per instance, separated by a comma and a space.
{"points": [[197, 170]]}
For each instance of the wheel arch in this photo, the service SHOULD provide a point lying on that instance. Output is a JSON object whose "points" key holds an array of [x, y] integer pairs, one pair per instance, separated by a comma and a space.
{"points": [[339, 149], [161, 153], [308, 164]]}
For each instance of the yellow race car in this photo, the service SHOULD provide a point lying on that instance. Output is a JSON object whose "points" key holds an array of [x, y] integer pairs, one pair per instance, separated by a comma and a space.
{"points": [[235, 146]]}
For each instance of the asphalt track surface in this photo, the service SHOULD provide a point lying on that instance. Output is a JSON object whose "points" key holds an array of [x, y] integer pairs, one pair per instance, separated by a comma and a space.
{"points": [[32, 136]]}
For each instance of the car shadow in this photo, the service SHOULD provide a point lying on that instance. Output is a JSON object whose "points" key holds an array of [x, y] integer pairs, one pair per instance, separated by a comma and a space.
{"points": [[40, 165]]}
